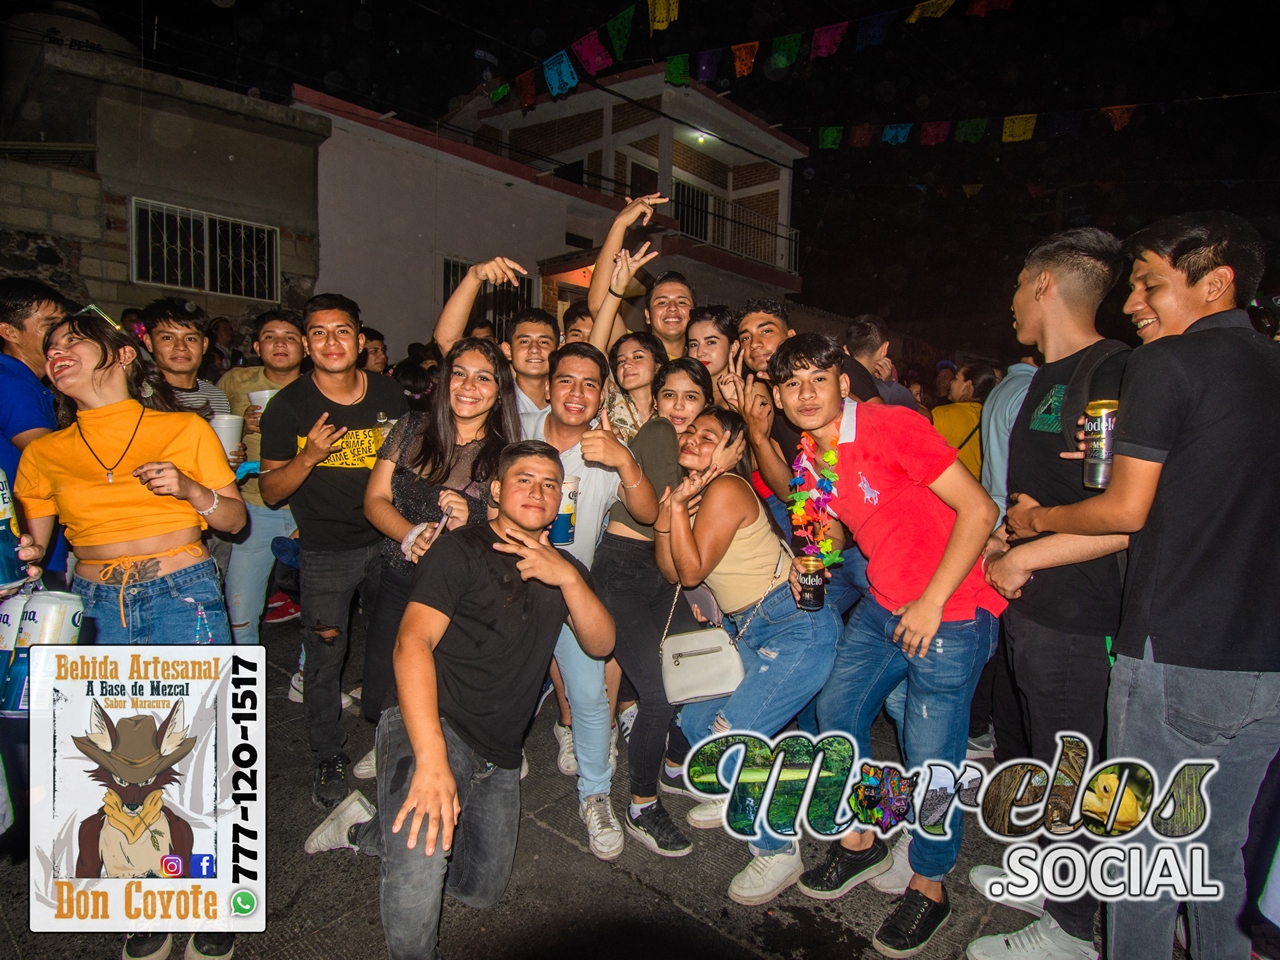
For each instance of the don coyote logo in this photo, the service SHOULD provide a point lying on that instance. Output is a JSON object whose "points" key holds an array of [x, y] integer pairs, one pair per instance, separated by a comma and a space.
{"points": [[133, 830]]}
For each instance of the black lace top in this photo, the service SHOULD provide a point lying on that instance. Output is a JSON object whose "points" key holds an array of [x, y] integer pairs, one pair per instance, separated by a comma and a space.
{"points": [[415, 499]]}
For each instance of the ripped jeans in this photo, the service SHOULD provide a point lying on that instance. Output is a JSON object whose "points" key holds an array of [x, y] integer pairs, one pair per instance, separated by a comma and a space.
{"points": [[183, 607], [328, 579], [787, 655]]}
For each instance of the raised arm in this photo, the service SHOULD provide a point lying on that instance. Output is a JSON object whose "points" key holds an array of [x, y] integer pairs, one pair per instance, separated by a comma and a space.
{"points": [[692, 552], [639, 209], [608, 326], [452, 322]]}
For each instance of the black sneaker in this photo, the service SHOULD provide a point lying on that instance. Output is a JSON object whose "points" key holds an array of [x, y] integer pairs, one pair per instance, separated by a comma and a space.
{"points": [[655, 829], [210, 946], [914, 921], [845, 869], [147, 946], [329, 785], [674, 785]]}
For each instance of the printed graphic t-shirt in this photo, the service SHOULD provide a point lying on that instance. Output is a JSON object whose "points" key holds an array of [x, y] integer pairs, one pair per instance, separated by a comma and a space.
{"points": [[329, 505]]}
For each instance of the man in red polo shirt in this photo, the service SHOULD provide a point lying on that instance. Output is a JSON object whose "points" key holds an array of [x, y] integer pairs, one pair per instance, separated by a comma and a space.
{"points": [[923, 521]]}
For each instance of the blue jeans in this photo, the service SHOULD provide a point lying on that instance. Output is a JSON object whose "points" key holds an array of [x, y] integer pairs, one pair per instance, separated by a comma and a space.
{"points": [[183, 607], [778, 510], [786, 657], [328, 580], [250, 568], [870, 666], [848, 583], [589, 703], [1163, 714], [477, 868]]}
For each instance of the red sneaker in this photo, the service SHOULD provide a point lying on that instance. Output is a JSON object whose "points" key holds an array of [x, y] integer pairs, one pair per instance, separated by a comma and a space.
{"points": [[276, 599], [283, 613]]}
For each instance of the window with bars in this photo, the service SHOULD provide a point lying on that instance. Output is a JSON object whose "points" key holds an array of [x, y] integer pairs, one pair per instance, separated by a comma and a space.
{"points": [[194, 250], [494, 304]]}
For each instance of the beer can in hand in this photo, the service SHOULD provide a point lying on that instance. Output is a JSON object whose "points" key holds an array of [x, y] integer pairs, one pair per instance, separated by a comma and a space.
{"points": [[1099, 436], [813, 584]]}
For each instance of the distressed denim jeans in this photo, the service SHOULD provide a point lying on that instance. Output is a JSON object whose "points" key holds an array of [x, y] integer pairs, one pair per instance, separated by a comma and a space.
{"points": [[249, 569], [477, 868]]}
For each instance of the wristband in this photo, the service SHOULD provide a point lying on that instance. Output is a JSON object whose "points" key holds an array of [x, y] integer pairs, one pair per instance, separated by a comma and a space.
{"points": [[664, 532], [212, 508], [617, 294]]}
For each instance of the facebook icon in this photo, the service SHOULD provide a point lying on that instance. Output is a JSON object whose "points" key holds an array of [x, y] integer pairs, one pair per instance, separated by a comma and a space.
{"points": [[202, 865]]}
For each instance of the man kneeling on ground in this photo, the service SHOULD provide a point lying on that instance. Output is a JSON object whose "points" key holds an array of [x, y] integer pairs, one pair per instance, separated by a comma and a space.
{"points": [[449, 755]]}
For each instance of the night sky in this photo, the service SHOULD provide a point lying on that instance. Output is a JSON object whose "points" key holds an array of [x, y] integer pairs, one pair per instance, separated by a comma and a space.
{"points": [[886, 229]]}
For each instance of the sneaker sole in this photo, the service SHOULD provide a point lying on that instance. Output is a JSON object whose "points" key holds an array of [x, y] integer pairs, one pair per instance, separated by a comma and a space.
{"points": [[295, 696], [161, 954], [884, 866], [361, 774], [350, 800], [758, 899], [285, 619], [605, 857], [703, 824], [974, 753], [886, 951], [648, 842]]}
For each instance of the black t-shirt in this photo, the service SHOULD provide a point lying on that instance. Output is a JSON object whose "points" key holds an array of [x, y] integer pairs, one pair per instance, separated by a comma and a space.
{"points": [[1205, 405], [329, 506], [1081, 598], [502, 631]]}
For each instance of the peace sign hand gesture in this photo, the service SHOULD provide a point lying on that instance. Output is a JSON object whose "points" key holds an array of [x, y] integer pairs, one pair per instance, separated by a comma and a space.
{"points": [[626, 265], [640, 209], [539, 560]]}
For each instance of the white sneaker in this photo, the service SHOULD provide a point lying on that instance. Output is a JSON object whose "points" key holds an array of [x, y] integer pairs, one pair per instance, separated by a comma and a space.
{"points": [[613, 750], [366, 767], [356, 693], [894, 880], [1041, 939], [708, 815], [296, 691], [766, 876], [566, 760], [603, 829], [627, 720], [982, 875], [333, 830], [524, 765]]}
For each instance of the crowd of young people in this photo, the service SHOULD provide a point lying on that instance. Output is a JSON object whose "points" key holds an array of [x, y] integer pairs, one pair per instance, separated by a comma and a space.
{"points": [[687, 444]]}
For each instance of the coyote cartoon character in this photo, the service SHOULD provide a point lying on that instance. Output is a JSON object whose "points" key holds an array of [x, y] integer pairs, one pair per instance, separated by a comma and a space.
{"points": [[133, 830]]}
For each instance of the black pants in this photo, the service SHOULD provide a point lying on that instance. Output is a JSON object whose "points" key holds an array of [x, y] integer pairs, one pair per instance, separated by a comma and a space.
{"points": [[384, 622], [638, 597], [1061, 680]]}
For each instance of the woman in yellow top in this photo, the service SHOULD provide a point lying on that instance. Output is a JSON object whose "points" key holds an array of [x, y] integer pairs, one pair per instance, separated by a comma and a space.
{"points": [[135, 481], [960, 421]]}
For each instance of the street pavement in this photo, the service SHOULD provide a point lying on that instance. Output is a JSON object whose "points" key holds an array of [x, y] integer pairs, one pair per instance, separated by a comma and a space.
{"points": [[562, 902]]}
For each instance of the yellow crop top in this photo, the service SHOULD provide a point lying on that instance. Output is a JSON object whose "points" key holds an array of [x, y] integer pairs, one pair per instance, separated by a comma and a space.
{"points": [[57, 474], [743, 574]]}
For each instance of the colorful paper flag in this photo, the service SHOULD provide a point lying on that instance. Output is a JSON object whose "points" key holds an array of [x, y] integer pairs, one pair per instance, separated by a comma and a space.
{"points": [[980, 8], [934, 132], [559, 73], [930, 8], [591, 53], [744, 58], [678, 70], [971, 131], [500, 94], [1120, 116], [895, 133], [1064, 124], [661, 13], [525, 90], [827, 40], [708, 65], [1018, 128], [971, 189], [829, 138], [871, 31], [785, 51], [619, 28], [861, 135]]}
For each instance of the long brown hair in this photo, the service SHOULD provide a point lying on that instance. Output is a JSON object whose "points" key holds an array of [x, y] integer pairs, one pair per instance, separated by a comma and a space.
{"points": [[146, 384]]}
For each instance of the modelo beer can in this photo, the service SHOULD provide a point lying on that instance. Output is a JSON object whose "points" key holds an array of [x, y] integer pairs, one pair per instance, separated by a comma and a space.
{"points": [[813, 587], [51, 617], [1099, 437]]}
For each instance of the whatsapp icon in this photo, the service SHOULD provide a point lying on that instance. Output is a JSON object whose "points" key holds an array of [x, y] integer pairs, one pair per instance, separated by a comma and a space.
{"points": [[243, 903]]}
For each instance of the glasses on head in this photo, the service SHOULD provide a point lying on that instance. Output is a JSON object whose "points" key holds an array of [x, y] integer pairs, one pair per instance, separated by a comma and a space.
{"points": [[93, 310]]}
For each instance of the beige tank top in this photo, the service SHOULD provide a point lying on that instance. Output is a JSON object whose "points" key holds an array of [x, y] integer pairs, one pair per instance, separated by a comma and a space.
{"points": [[744, 573]]}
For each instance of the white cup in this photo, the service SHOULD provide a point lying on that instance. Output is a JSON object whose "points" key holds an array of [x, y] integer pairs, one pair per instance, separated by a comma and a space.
{"points": [[51, 617], [259, 398], [229, 429]]}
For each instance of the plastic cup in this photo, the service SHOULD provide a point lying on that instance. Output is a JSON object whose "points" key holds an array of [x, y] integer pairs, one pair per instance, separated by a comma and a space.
{"points": [[230, 430], [563, 525], [259, 398]]}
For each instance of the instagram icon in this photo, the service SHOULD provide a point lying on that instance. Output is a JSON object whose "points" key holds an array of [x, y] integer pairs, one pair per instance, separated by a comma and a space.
{"points": [[171, 866]]}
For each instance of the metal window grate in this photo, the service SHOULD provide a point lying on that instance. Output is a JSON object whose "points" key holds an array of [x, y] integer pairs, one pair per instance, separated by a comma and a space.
{"points": [[193, 250], [494, 304]]}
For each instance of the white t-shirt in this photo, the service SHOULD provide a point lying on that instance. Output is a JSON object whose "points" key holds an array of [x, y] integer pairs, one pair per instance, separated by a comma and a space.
{"points": [[597, 492], [528, 411]]}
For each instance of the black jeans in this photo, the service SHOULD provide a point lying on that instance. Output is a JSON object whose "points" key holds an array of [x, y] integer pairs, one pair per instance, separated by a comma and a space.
{"points": [[639, 598], [329, 579], [1061, 680], [380, 644]]}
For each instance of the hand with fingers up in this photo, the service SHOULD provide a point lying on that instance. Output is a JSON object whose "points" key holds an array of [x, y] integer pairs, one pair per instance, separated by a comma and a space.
{"points": [[498, 271]]}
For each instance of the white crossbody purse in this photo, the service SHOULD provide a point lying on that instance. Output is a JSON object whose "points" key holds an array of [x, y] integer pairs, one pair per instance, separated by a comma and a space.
{"points": [[704, 664]]}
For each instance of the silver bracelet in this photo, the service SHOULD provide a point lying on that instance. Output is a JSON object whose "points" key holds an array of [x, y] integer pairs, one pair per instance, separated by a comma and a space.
{"points": [[209, 512], [634, 485]]}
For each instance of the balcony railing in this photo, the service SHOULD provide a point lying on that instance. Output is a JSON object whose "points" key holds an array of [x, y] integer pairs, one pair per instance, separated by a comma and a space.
{"points": [[730, 226]]}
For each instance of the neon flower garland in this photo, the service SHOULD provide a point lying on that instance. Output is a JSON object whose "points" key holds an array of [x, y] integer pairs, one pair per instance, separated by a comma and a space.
{"points": [[808, 509]]}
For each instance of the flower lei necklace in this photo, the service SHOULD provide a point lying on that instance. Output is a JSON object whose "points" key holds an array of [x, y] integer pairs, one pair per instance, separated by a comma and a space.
{"points": [[809, 502]]}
